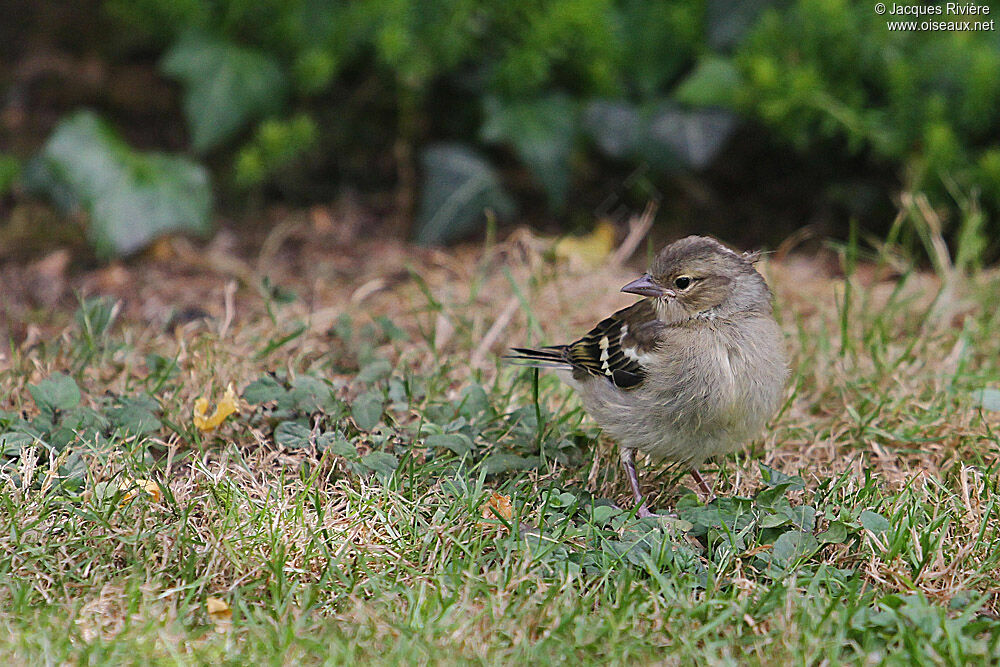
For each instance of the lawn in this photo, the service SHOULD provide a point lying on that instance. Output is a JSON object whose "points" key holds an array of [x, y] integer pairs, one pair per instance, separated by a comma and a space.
{"points": [[388, 490]]}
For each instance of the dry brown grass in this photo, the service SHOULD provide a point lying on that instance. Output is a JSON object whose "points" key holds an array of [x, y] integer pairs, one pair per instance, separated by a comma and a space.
{"points": [[891, 401]]}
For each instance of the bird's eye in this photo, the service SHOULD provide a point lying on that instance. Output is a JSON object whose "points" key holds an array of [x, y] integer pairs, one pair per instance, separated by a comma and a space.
{"points": [[682, 282]]}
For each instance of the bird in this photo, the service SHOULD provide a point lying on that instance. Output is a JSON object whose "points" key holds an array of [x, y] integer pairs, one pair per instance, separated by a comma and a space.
{"points": [[691, 371]]}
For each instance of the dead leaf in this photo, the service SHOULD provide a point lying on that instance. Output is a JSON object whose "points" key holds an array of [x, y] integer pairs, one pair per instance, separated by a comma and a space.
{"points": [[220, 613], [589, 250], [133, 488], [497, 506], [229, 404]]}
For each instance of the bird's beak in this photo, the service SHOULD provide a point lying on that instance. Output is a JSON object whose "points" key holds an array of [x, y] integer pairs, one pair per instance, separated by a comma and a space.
{"points": [[645, 286]]}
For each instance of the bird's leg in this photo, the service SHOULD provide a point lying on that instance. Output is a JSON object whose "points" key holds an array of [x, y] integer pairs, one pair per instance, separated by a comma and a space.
{"points": [[628, 461], [702, 485]]}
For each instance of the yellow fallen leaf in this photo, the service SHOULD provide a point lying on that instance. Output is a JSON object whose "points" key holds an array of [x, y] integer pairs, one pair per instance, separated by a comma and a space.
{"points": [[498, 505], [229, 404], [590, 249], [132, 489], [220, 613]]}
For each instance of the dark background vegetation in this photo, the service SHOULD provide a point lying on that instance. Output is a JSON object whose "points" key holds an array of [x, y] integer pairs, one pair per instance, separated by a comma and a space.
{"points": [[748, 120]]}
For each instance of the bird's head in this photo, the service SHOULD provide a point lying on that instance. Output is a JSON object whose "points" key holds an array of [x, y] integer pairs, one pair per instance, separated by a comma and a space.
{"points": [[698, 275]]}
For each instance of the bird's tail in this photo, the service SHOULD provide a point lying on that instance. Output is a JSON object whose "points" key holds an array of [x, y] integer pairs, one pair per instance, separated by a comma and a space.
{"points": [[553, 356]]}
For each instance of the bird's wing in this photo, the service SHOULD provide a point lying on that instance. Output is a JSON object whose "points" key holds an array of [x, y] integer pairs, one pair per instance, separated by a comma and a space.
{"points": [[618, 347]]}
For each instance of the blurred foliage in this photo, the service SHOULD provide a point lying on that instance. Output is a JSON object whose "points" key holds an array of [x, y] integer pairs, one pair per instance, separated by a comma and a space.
{"points": [[130, 197], [830, 69], [10, 169], [279, 87]]}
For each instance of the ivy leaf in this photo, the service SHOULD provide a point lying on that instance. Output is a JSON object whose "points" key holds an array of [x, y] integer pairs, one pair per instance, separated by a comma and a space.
{"points": [[367, 411], [474, 402], [542, 132], [792, 546], [803, 516], [773, 478], [836, 533], [263, 390], [337, 444], [57, 392], [131, 197], [675, 138], [456, 442], [226, 86], [773, 520], [604, 513], [459, 186], [11, 443], [615, 127], [874, 522], [292, 435], [310, 394], [374, 371], [136, 414], [381, 463], [498, 463], [713, 82]]}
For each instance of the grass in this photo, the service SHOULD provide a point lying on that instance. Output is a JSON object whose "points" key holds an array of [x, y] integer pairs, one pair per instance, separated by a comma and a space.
{"points": [[339, 515]]}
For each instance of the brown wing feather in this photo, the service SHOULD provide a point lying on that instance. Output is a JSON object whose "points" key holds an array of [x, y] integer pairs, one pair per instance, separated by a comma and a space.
{"points": [[614, 346]]}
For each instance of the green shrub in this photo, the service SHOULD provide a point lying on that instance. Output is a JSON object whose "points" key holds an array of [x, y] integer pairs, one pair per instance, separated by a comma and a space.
{"points": [[557, 83], [927, 101]]}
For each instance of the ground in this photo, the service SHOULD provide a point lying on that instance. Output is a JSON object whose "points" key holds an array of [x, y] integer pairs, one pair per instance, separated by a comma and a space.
{"points": [[388, 489]]}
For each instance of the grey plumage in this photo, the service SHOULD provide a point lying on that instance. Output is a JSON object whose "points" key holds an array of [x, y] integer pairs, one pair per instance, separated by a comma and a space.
{"points": [[692, 371]]}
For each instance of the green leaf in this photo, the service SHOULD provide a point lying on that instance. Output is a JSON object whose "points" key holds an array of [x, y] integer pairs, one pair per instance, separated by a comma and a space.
{"points": [[836, 533], [459, 186], [498, 463], [107, 491], [729, 20], [803, 516], [367, 410], [660, 40], [10, 170], [292, 435], [275, 147], [226, 86], [564, 499], [263, 390], [311, 394], [131, 197], [12, 443], [713, 82], [382, 463], [474, 402], [542, 132], [792, 546], [615, 127], [773, 478], [772, 497], [604, 513], [57, 392], [374, 371], [337, 444], [874, 522], [988, 399], [773, 520], [136, 415], [675, 138], [456, 442]]}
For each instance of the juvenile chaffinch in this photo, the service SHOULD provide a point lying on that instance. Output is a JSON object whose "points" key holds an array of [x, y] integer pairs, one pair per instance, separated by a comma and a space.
{"points": [[691, 371]]}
